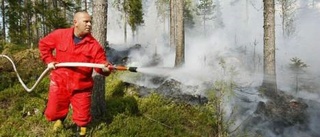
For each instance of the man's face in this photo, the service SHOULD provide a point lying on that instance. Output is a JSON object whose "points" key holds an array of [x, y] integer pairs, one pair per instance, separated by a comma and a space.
{"points": [[82, 23]]}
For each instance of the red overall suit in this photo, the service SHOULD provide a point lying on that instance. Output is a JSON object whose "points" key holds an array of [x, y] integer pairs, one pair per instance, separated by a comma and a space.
{"points": [[70, 84]]}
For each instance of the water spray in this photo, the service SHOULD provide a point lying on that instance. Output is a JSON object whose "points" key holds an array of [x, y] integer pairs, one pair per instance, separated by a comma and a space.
{"points": [[67, 64]]}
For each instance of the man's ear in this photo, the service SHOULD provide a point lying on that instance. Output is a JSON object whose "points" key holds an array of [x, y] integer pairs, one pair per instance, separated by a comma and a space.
{"points": [[74, 22]]}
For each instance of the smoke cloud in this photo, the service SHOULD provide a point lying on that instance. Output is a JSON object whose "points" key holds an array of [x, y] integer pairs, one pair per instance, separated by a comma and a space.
{"points": [[233, 51]]}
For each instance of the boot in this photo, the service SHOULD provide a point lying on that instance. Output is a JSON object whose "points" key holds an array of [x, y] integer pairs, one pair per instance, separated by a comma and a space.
{"points": [[82, 131], [58, 125]]}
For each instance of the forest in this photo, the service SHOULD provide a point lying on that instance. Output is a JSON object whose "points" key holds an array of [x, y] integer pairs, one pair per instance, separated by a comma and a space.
{"points": [[215, 68]]}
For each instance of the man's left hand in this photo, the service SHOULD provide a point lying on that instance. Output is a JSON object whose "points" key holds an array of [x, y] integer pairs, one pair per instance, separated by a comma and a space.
{"points": [[107, 68]]}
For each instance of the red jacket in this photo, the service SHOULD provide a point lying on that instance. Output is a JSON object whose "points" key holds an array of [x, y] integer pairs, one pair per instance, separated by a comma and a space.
{"points": [[87, 50]]}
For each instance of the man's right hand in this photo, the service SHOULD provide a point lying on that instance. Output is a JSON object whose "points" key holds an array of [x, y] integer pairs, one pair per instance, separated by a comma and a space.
{"points": [[51, 65]]}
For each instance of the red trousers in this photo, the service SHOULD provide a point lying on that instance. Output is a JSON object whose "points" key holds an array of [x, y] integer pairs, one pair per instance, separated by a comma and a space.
{"points": [[59, 100]]}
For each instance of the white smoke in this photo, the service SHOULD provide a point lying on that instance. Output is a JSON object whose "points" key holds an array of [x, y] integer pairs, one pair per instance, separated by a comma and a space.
{"points": [[239, 44]]}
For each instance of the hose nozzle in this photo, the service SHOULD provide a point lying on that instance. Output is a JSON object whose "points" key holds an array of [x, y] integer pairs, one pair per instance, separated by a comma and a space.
{"points": [[124, 68], [132, 69]]}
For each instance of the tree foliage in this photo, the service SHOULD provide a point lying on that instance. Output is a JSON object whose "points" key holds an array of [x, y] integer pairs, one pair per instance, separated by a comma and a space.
{"points": [[23, 17], [135, 14], [163, 9], [205, 9], [188, 14], [288, 11], [132, 13], [297, 67]]}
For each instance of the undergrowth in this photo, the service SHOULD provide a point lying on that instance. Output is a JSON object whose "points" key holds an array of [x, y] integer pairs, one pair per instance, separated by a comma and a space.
{"points": [[127, 114]]}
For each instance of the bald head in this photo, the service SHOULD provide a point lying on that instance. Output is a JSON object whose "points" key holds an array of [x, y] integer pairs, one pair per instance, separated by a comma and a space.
{"points": [[82, 24]]}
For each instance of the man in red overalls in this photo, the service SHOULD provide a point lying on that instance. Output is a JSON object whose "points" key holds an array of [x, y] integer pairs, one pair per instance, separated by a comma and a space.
{"points": [[72, 85]]}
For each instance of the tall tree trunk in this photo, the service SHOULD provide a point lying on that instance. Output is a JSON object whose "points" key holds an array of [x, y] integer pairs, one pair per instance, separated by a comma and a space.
{"points": [[54, 4], [63, 8], [172, 23], [44, 30], [27, 16], [99, 30], [179, 33], [125, 28], [125, 20], [3, 20], [269, 80], [85, 5], [34, 25]]}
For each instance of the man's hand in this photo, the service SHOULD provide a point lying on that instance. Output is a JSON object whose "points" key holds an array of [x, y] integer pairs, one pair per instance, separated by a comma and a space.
{"points": [[107, 67], [51, 65]]}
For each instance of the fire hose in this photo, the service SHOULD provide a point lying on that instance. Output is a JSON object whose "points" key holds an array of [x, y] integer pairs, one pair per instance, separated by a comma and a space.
{"points": [[66, 64]]}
